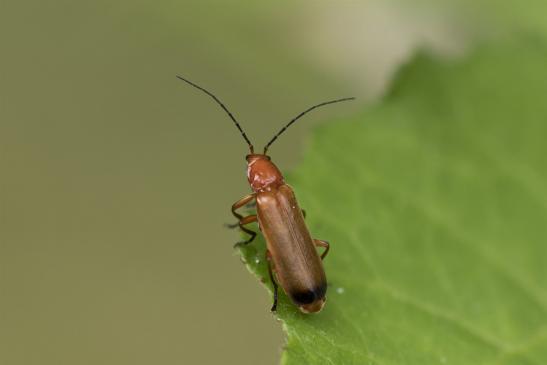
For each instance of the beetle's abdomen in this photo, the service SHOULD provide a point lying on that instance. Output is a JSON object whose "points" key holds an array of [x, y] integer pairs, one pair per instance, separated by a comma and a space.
{"points": [[298, 267]]}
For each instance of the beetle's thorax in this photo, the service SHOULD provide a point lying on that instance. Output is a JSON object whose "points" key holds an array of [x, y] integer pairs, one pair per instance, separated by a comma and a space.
{"points": [[262, 174]]}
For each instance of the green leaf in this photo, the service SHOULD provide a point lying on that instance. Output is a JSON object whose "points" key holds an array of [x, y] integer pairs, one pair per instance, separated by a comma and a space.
{"points": [[435, 204]]}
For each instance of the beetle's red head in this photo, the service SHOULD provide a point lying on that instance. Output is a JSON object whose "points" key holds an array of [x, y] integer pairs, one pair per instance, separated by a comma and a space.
{"points": [[262, 173]]}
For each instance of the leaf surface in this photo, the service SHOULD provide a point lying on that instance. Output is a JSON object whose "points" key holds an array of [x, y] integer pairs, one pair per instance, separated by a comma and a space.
{"points": [[435, 205]]}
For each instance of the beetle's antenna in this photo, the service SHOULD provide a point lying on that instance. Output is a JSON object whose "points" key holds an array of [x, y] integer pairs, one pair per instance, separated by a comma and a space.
{"points": [[223, 107], [298, 117]]}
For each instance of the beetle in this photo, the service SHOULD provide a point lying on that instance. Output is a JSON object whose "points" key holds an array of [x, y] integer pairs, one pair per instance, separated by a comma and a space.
{"points": [[290, 249]]}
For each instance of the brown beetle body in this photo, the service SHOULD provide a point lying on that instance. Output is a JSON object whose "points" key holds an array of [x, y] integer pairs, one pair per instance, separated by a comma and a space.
{"points": [[297, 265], [291, 251]]}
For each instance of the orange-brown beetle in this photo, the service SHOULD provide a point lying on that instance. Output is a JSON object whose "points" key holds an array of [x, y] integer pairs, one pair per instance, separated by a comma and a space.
{"points": [[290, 251]]}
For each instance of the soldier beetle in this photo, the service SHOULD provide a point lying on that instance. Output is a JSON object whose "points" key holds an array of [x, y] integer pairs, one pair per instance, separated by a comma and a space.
{"points": [[292, 258]]}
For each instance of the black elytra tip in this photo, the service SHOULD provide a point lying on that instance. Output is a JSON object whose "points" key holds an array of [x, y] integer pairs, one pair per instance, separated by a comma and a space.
{"points": [[309, 296]]}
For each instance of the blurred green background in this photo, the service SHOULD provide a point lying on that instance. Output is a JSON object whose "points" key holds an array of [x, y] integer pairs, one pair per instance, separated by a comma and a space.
{"points": [[117, 178]]}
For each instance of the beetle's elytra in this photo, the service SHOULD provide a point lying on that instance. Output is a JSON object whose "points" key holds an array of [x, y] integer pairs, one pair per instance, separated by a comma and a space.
{"points": [[291, 253]]}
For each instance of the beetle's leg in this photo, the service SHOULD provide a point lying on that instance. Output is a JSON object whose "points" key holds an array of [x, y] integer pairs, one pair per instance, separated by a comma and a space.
{"points": [[322, 243], [246, 220], [241, 202], [274, 284], [238, 204]]}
